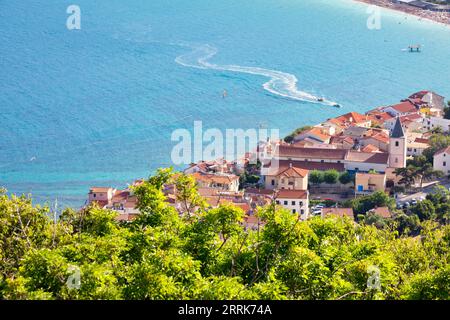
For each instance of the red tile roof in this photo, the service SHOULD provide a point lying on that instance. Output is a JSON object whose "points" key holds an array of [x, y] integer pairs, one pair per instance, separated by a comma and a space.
{"points": [[292, 172], [311, 153], [368, 157], [382, 211], [446, 150], [404, 107], [340, 212], [292, 194]]}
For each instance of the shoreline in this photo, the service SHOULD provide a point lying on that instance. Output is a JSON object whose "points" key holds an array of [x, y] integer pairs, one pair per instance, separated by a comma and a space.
{"points": [[433, 16]]}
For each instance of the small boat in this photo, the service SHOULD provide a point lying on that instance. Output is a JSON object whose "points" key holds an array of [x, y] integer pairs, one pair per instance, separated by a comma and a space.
{"points": [[320, 99], [337, 105]]}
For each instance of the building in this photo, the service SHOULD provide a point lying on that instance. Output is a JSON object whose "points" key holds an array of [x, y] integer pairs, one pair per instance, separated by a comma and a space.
{"points": [[347, 120], [338, 212], [366, 183], [289, 178], [351, 160], [416, 146], [101, 195], [296, 201], [441, 160], [412, 122], [383, 212], [427, 99], [397, 147], [221, 182], [431, 123], [316, 134]]}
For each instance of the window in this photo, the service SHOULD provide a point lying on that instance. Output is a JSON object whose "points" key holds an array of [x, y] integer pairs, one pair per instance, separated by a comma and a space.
{"points": [[278, 201], [285, 203], [445, 163], [95, 195], [322, 161], [415, 150], [301, 203], [294, 211], [396, 160], [339, 161], [273, 182], [302, 211], [293, 203], [396, 143]]}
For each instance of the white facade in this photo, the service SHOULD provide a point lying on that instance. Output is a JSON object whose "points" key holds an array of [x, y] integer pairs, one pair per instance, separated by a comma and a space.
{"points": [[294, 205], [441, 161], [365, 167]]}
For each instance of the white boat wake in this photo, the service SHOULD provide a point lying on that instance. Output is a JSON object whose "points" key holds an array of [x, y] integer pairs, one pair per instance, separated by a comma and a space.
{"points": [[280, 83]]}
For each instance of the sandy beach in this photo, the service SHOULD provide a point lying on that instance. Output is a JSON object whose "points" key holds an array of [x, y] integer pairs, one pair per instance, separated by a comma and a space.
{"points": [[441, 17]]}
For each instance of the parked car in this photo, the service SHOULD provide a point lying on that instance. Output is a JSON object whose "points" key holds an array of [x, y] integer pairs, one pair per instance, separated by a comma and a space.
{"points": [[406, 205]]}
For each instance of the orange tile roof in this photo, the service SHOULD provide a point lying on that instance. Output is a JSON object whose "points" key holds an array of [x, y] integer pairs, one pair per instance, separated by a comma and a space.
{"points": [[405, 106], [446, 150], [350, 118], [341, 212], [382, 211], [292, 194], [315, 153], [292, 172], [215, 178], [370, 148], [100, 189]]}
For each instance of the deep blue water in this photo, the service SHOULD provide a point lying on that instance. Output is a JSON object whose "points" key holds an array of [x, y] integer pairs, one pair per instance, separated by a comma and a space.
{"points": [[97, 106]]}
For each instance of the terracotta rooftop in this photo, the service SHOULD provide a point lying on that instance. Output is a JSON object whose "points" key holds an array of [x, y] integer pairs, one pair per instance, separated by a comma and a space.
{"points": [[446, 150], [214, 178], [349, 118], [340, 212], [291, 172], [405, 106], [368, 157], [382, 211], [311, 153], [370, 148], [100, 189], [292, 194]]}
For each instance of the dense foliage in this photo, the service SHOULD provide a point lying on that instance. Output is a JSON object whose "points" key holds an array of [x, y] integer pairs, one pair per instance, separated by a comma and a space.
{"points": [[207, 253]]}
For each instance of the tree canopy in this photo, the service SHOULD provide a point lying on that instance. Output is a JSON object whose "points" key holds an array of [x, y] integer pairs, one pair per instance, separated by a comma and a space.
{"points": [[207, 253]]}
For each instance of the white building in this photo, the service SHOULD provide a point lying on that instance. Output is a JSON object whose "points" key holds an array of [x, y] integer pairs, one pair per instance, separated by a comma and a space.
{"points": [[431, 123], [296, 201], [441, 160]]}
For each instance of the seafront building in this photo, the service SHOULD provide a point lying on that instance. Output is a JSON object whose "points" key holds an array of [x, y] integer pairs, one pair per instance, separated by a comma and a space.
{"points": [[368, 146]]}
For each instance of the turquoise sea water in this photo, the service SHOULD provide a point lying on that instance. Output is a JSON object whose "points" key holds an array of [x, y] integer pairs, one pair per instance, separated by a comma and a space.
{"points": [[97, 106]]}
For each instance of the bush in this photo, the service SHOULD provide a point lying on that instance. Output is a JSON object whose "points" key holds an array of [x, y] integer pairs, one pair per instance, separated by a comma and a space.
{"points": [[331, 176]]}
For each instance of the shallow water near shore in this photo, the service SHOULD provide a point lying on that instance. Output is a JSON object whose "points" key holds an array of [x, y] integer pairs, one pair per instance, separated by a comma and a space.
{"points": [[97, 106]]}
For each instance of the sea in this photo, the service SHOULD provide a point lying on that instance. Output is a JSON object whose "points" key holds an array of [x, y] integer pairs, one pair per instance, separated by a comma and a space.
{"points": [[97, 106]]}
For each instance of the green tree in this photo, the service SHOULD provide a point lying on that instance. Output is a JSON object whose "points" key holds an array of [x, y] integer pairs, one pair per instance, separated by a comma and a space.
{"points": [[316, 176], [346, 177]]}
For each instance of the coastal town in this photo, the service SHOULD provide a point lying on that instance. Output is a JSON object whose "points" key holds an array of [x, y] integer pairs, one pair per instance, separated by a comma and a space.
{"points": [[317, 169]]}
